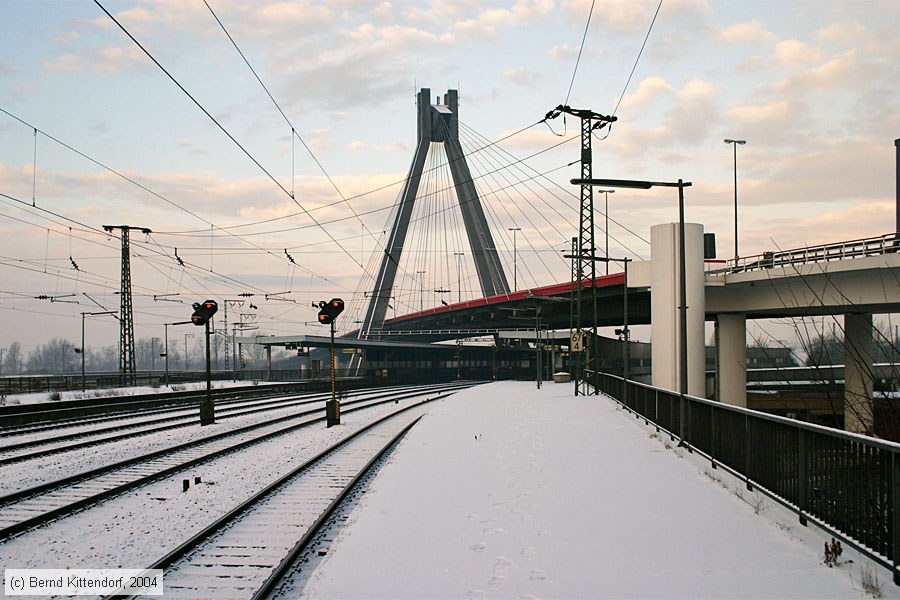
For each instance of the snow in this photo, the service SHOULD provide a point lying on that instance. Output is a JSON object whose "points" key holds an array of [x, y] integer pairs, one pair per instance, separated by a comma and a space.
{"points": [[508, 491], [500, 491], [137, 528], [37, 397]]}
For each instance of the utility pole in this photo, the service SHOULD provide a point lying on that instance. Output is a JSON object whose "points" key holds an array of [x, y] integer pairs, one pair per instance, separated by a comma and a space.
{"points": [[585, 263], [421, 275], [515, 269], [459, 256], [83, 348], [126, 318], [186, 358]]}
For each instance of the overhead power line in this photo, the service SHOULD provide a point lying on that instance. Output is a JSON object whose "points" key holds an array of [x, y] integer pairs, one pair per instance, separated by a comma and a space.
{"points": [[580, 50], [636, 60]]}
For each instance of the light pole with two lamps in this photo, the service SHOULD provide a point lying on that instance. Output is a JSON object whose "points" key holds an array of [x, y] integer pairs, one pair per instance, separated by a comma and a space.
{"points": [[165, 353], [735, 144], [682, 277], [515, 266], [186, 336], [459, 256], [606, 194], [81, 351], [421, 290]]}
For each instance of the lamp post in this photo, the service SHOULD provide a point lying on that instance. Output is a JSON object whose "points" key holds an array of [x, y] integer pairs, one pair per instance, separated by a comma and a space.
{"points": [[606, 227], [682, 278], [82, 351], [459, 256], [515, 273], [186, 336], [734, 144], [624, 330], [421, 290], [165, 352]]}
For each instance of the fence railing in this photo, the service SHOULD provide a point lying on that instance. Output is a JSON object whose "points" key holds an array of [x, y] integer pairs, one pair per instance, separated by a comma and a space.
{"points": [[847, 484], [882, 244]]}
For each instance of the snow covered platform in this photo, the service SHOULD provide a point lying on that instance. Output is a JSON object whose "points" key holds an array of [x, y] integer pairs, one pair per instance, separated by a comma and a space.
{"points": [[506, 491]]}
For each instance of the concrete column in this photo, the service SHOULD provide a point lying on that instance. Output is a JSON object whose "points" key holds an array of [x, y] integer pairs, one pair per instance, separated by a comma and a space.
{"points": [[731, 359], [664, 313], [858, 382]]}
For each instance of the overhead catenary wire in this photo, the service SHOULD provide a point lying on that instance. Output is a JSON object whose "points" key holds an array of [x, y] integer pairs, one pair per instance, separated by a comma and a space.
{"points": [[580, 50], [638, 58], [133, 182], [220, 126]]}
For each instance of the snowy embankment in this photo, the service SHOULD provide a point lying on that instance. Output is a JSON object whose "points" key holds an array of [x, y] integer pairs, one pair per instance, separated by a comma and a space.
{"points": [[36, 397], [506, 491]]}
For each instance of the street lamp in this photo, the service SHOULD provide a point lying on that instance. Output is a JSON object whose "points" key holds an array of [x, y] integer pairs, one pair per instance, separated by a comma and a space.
{"points": [[625, 333], [165, 352], [82, 351], [515, 274], [682, 310], [606, 215], [459, 272], [734, 144], [186, 336], [421, 290]]}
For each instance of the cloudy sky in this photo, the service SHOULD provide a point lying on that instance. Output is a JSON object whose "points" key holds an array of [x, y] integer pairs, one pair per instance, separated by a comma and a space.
{"points": [[289, 187]]}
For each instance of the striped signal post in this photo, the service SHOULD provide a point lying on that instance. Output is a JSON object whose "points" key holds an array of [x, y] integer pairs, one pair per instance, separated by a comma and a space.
{"points": [[203, 313], [328, 312]]}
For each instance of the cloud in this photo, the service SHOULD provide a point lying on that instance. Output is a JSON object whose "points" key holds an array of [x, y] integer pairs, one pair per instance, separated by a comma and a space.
{"points": [[618, 15], [837, 72], [778, 113], [67, 63], [189, 146], [746, 33], [66, 39], [690, 119], [790, 53], [523, 77], [841, 170], [648, 90], [856, 221], [562, 52], [846, 33]]}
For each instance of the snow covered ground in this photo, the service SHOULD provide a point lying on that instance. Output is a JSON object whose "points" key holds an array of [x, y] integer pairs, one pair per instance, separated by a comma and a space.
{"points": [[36, 397], [506, 491]]}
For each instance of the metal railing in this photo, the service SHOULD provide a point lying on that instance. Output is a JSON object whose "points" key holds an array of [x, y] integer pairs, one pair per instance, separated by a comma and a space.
{"points": [[847, 484], [883, 244]]}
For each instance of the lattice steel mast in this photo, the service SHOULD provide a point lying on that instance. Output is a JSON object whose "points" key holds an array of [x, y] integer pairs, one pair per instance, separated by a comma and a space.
{"points": [[126, 320], [585, 258]]}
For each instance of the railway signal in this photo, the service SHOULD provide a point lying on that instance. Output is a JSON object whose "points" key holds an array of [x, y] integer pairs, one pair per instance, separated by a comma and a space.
{"points": [[203, 312], [328, 312], [201, 317]]}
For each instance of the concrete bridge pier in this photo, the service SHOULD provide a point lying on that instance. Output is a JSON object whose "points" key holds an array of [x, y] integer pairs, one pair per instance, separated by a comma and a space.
{"points": [[858, 380], [731, 359], [664, 307]]}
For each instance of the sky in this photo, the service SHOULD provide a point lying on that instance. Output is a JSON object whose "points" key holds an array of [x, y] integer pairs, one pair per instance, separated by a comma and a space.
{"points": [[266, 143]]}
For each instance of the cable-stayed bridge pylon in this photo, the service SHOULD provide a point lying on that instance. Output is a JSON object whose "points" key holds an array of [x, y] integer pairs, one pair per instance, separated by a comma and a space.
{"points": [[437, 123]]}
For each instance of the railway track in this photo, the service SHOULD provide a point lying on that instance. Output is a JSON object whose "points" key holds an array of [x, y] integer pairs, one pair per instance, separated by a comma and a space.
{"points": [[18, 451], [249, 551], [35, 506]]}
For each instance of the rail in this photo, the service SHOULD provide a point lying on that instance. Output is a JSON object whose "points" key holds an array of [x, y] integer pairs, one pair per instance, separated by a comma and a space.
{"points": [[874, 246], [847, 484]]}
